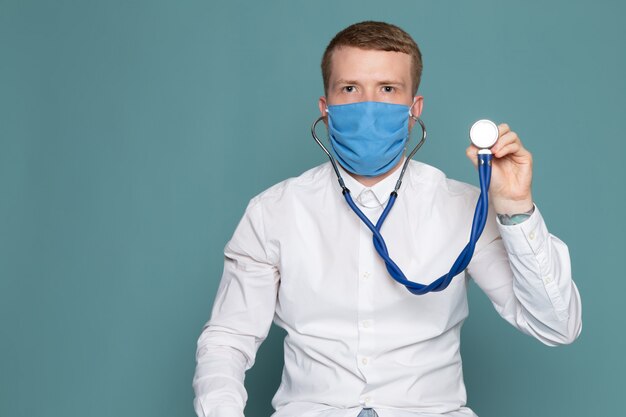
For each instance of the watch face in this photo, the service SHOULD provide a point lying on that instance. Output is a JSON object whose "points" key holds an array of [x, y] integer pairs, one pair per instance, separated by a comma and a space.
{"points": [[484, 134]]}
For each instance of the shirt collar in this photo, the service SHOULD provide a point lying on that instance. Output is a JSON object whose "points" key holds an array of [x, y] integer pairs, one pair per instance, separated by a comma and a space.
{"points": [[374, 196]]}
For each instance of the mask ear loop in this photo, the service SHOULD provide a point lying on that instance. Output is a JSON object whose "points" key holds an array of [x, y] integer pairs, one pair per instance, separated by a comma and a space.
{"points": [[344, 189], [419, 145]]}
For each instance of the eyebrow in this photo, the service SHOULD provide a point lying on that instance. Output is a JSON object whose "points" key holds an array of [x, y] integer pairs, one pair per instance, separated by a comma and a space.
{"points": [[341, 81], [390, 82]]}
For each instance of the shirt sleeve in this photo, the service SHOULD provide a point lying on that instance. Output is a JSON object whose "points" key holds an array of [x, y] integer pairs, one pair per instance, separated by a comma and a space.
{"points": [[240, 320], [526, 273]]}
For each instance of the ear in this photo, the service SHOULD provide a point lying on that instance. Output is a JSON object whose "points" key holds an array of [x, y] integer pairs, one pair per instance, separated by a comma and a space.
{"points": [[416, 109], [418, 104], [321, 103]]}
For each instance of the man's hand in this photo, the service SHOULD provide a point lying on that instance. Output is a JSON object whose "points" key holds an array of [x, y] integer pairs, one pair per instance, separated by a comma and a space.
{"points": [[511, 174]]}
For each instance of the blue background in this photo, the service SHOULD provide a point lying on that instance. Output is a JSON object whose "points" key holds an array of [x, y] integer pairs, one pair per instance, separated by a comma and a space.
{"points": [[133, 134]]}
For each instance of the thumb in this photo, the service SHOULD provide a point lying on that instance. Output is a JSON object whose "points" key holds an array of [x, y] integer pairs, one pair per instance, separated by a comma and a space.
{"points": [[472, 154]]}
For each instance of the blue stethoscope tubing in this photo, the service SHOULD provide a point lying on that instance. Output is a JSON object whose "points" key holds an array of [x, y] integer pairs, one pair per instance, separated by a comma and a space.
{"points": [[478, 223]]}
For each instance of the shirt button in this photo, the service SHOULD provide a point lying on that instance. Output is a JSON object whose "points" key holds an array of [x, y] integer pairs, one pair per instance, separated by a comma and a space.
{"points": [[368, 399], [531, 235], [365, 275], [364, 361], [366, 323], [548, 279]]}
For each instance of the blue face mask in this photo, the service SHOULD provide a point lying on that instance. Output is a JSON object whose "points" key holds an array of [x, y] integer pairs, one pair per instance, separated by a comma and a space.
{"points": [[368, 138]]}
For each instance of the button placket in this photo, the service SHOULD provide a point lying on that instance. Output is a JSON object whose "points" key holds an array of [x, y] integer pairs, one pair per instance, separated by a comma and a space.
{"points": [[365, 319]]}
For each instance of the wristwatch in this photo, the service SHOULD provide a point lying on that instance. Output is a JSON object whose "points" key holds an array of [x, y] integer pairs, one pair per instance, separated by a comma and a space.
{"points": [[513, 219]]}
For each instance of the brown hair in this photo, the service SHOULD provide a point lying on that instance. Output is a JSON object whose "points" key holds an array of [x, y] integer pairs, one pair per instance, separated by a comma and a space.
{"points": [[379, 36]]}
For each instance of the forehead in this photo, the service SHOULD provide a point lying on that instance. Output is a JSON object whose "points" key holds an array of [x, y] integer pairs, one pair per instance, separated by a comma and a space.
{"points": [[352, 63]]}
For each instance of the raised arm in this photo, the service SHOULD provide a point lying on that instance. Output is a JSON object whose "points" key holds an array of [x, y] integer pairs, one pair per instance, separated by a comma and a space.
{"points": [[525, 271]]}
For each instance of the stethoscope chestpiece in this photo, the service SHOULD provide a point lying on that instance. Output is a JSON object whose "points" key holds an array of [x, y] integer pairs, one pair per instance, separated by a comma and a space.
{"points": [[484, 134]]}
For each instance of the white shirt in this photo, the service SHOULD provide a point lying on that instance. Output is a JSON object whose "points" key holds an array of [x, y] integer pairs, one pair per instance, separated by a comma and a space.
{"points": [[355, 337]]}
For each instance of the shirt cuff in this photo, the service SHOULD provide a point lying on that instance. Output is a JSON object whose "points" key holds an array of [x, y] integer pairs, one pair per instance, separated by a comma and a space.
{"points": [[217, 411], [527, 237]]}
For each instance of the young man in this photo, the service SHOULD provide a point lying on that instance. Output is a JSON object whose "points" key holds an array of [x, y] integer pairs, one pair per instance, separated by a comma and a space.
{"points": [[358, 343]]}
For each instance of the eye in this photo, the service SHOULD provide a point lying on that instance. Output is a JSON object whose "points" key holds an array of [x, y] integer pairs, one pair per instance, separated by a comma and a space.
{"points": [[388, 89], [349, 89]]}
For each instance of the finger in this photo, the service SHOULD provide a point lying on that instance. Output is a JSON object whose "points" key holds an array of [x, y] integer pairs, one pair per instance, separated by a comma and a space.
{"points": [[514, 148], [504, 140], [472, 154], [503, 128]]}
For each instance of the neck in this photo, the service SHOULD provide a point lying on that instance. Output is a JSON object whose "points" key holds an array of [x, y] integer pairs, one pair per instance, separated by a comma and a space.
{"points": [[371, 181]]}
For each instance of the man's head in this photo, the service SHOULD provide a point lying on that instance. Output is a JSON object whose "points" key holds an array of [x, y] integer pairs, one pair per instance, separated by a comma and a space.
{"points": [[372, 61]]}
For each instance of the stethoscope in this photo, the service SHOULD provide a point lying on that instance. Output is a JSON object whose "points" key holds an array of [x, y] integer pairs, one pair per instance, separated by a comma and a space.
{"points": [[483, 134]]}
